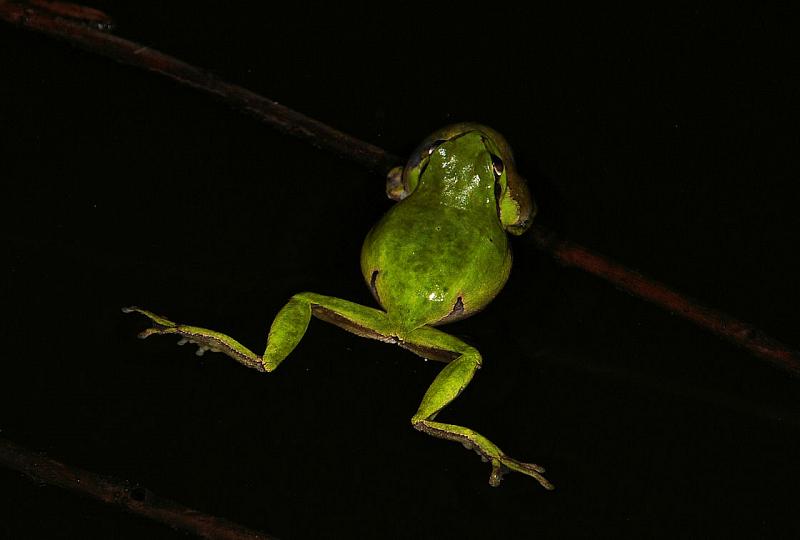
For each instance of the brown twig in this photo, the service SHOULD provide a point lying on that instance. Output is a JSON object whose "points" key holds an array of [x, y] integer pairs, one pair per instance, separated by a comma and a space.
{"points": [[738, 332], [135, 499], [66, 21], [84, 34]]}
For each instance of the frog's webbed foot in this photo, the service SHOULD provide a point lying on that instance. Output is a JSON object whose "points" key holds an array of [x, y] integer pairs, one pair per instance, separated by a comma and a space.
{"points": [[163, 326], [159, 322], [206, 340], [504, 464], [488, 452]]}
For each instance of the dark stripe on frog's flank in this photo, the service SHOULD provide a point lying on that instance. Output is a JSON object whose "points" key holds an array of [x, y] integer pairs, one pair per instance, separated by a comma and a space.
{"points": [[455, 314], [374, 288], [334, 318], [429, 353]]}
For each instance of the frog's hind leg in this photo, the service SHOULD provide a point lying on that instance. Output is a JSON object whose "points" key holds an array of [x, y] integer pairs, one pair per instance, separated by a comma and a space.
{"points": [[450, 382], [285, 333]]}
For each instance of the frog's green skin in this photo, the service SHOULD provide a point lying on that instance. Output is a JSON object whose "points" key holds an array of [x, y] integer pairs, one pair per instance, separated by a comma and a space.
{"points": [[439, 255]]}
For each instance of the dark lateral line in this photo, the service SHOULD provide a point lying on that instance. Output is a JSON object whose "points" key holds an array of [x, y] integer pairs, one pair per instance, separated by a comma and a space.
{"points": [[455, 313], [324, 314], [373, 286], [334, 318], [429, 352]]}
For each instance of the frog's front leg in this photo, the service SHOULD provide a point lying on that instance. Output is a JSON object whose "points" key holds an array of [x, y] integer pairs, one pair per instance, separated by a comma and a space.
{"points": [[450, 382], [286, 331]]}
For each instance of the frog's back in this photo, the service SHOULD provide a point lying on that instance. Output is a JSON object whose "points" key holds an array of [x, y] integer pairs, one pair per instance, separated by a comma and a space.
{"points": [[430, 263]]}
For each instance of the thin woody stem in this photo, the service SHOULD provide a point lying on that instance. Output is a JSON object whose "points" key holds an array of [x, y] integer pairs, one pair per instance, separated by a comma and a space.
{"points": [[135, 499], [84, 29], [738, 332]]}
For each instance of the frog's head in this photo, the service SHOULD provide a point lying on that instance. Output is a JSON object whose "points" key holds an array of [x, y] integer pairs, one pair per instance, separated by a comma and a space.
{"points": [[515, 207]]}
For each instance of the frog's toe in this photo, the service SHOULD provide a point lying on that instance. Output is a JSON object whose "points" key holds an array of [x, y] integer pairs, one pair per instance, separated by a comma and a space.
{"points": [[202, 348], [153, 330], [496, 475], [158, 320], [161, 325], [505, 464]]}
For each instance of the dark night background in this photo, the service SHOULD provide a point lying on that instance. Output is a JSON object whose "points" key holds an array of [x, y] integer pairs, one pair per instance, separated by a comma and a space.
{"points": [[667, 140]]}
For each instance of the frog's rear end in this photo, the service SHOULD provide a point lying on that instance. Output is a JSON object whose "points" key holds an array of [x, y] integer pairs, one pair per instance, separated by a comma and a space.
{"points": [[430, 264]]}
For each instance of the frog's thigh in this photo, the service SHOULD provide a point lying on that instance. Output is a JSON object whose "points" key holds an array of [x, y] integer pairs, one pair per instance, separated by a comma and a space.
{"points": [[291, 323], [360, 320], [450, 382]]}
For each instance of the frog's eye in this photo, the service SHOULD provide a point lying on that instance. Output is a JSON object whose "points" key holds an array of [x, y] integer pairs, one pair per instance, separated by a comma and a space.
{"points": [[434, 145], [497, 166], [401, 184], [426, 154], [499, 184]]}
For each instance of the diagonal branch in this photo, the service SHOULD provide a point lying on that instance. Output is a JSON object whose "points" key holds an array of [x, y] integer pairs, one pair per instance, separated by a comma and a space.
{"points": [[85, 28], [135, 499], [720, 323]]}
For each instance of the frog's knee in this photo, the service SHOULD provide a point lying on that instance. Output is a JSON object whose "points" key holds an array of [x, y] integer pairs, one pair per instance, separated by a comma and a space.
{"points": [[309, 297], [418, 421]]}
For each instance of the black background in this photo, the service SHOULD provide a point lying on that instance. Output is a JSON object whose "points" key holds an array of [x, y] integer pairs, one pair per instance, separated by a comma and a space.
{"points": [[666, 139]]}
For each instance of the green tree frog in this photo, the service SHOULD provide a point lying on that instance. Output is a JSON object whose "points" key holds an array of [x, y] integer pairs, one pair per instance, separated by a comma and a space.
{"points": [[440, 254]]}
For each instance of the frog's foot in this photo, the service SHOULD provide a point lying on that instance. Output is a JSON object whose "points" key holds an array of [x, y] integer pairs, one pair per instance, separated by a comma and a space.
{"points": [[163, 326], [500, 462], [449, 383], [504, 464], [159, 322], [206, 340]]}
